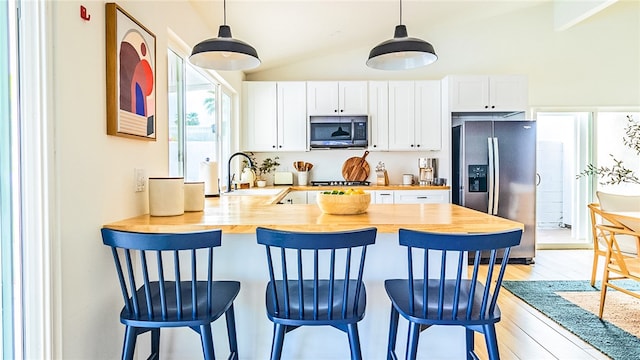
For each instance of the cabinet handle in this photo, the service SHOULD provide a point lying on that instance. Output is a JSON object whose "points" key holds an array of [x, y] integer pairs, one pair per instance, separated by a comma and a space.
{"points": [[418, 145], [335, 110], [280, 146], [486, 106], [493, 106], [273, 146], [384, 194], [411, 145], [341, 110], [421, 197]]}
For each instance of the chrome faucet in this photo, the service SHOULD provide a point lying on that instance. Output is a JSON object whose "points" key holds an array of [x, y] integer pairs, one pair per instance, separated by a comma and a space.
{"points": [[229, 167]]}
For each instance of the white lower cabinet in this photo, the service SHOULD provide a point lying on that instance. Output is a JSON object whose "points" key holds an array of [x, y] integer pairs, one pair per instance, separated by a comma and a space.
{"points": [[379, 197], [312, 197], [421, 197], [295, 197], [382, 197]]}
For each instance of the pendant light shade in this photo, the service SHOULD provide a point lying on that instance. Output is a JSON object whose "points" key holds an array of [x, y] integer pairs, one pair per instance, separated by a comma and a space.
{"points": [[224, 52], [401, 52]]}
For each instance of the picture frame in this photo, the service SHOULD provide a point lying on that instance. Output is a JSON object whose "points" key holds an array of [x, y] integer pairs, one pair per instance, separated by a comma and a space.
{"points": [[130, 76]]}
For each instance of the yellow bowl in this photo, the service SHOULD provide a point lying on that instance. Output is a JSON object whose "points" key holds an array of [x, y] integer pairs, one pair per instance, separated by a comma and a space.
{"points": [[344, 204]]}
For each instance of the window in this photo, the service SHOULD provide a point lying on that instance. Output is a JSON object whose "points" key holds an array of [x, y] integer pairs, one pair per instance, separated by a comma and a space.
{"points": [[200, 112], [7, 192]]}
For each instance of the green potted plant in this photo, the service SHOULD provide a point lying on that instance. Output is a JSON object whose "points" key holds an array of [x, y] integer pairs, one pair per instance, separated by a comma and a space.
{"points": [[267, 166]]}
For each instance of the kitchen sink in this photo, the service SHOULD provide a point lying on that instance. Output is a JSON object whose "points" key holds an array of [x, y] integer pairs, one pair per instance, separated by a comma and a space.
{"points": [[253, 191]]}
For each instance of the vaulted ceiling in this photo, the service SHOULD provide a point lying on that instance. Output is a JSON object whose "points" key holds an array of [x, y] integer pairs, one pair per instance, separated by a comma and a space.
{"points": [[289, 31]]}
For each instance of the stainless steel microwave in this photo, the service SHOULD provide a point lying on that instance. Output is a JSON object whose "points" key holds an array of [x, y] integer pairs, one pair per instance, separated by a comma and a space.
{"points": [[338, 131]]}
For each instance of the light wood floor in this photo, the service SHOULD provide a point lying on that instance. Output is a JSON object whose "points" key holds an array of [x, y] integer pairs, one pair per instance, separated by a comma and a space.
{"points": [[524, 333]]}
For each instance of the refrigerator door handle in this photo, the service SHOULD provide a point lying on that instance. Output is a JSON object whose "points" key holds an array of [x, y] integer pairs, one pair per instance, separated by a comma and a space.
{"points": [[496, 190], [490, 176]]}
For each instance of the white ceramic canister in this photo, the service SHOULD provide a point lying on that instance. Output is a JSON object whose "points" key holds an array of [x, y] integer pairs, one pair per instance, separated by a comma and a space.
{"points": [[166, 196], [194, 196], [407, 179]]}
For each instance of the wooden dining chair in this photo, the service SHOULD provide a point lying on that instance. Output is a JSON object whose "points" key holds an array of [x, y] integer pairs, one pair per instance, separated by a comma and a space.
{"points": [[315, 279], [618, 265], [164, 285], [433, 294], [629, 246]]}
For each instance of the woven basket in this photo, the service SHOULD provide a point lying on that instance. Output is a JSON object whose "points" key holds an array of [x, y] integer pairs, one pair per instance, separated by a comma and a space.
{"points": [[344, 204]]}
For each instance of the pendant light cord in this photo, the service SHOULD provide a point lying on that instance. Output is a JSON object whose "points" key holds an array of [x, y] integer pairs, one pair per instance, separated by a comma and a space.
{"points": [[400, 12], [224, 9]]}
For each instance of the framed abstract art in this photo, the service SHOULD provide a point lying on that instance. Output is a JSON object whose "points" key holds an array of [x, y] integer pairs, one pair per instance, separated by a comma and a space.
{"points": [[131, 76]]}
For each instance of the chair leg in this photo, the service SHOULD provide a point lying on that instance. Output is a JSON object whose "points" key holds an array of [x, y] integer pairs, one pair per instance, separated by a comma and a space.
{"points": [[470, 346], [603, 292], [412, 341], [231, 332], [130, 336], [278, 340], [354, 341], [207, 341], [393, 333], [155, 343], [594, 268], [492, 341]]}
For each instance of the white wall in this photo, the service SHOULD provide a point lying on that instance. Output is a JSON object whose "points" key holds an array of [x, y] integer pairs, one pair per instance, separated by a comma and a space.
{"points": [[593, 64], [94, 171]]}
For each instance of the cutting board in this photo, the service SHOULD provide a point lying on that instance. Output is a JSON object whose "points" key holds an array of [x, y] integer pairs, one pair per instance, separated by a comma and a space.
{"points": [[356, 168]]}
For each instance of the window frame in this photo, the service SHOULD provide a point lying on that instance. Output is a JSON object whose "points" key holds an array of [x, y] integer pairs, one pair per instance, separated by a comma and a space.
{"points": [[224, 144]]}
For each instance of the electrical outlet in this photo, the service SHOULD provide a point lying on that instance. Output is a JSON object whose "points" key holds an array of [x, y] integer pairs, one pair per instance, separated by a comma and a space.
{"points": [[140, 179]]}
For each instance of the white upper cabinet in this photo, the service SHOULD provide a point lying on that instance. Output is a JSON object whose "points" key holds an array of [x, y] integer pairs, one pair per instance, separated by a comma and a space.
{"points": [[415, 121], [488, 93], [274, 116], [378, 116], [337, 97]]}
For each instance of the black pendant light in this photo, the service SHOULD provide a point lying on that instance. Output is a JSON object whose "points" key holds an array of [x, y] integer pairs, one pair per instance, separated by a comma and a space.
{"points": [[401, 52], [224, 52]]}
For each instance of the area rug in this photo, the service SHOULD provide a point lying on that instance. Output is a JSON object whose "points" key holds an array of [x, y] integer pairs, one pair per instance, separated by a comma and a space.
{"points": [[574, 305]]}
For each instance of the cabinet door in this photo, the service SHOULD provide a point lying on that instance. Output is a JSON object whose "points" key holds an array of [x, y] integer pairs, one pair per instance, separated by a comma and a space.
{"points": [[488, 93], [322, 98], [378, 116], [401, 115], [295, 197], [428, 120], [260, 115], [383, 197], [312, 197], [353, 98], [508, 93], [421, 196], [292, 116], [469, 93]]}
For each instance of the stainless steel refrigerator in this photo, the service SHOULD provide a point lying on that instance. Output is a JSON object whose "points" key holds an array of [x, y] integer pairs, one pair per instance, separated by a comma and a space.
{"points": [[494, 171]]}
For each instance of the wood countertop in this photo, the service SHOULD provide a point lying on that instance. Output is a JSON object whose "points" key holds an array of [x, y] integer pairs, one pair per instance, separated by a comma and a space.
{"points": [[242, 214]]}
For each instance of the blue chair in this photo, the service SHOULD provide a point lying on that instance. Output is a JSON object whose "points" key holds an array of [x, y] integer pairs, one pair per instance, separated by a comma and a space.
{"points": [[449, 300], [158, 274], [309, 286]]}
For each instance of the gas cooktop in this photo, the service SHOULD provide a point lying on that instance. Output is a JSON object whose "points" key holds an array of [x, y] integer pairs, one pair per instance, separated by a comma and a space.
{"points": [[340, 183]]}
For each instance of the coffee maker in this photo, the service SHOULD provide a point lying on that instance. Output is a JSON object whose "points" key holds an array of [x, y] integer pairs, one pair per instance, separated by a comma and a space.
{"points": [[428, 170]]}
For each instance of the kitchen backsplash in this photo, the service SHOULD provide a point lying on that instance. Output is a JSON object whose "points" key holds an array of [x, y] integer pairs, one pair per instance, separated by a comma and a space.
{"points": [[327, 164]]}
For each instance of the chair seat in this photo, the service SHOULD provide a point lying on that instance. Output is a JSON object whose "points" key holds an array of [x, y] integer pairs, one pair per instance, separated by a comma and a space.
{"points": [[398, 291], [224, 294], [353, 314], [632, 265]]}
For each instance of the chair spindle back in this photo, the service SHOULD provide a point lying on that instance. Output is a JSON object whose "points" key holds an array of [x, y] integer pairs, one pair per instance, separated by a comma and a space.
{"points": [[166, 261], [454, 292], [293, 258]]}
